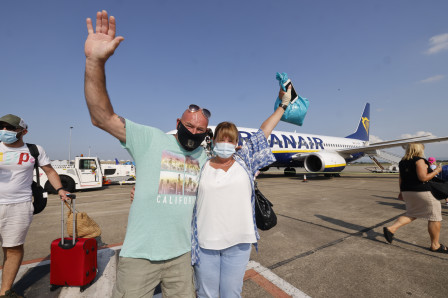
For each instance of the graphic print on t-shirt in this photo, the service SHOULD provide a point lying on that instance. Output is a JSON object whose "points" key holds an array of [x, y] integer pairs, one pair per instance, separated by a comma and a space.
{"points": [[178, 181]]}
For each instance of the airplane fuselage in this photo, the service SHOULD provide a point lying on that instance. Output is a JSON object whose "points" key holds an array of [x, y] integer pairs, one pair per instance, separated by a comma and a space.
{"points": [[291, 149]]}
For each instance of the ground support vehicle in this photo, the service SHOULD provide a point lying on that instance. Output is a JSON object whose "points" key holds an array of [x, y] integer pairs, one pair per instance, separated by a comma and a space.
{"points": [[118, 174], [84, 173]]}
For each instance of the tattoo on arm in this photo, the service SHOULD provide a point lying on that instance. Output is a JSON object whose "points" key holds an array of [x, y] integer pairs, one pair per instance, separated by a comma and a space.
{"points": [[122, 120]]}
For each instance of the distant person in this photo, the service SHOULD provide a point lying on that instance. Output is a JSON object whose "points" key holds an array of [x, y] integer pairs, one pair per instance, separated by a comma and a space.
{"points": [[224, 226], [432, 163], [208, 142], [16, 206], [157, 245], [420, 203]]}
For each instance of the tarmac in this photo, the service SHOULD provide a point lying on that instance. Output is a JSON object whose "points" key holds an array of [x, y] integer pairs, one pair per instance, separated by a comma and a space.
{"points": [[328, 241]]}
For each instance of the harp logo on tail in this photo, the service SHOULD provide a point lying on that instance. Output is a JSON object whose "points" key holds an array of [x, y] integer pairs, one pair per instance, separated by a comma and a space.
{"points": [[365, 123]]}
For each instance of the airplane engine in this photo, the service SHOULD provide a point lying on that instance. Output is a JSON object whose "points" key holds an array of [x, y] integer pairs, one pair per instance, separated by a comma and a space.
{"points": [[324, 162]]}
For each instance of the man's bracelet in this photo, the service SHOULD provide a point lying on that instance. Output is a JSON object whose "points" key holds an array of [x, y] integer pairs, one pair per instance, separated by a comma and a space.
{"points": [[57, 190]]}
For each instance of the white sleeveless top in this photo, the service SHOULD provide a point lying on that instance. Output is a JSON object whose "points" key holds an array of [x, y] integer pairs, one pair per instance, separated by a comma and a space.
{"points": [[224, 210]]}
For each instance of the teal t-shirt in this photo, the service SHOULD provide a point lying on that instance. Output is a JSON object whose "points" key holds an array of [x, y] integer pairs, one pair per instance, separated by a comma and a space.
{"points": [[159, 223]]}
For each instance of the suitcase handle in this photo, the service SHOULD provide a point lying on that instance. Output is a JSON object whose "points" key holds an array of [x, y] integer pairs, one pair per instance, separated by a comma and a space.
{"points": [[72, 204]]}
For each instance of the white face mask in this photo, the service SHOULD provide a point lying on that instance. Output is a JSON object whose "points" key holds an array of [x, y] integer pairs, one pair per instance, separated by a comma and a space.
{"points": [[224, 150], [8, 137]]}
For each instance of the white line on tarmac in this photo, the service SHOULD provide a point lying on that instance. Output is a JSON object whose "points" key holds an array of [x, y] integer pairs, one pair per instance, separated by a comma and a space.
{"points": [[109, 194], [276, 280]]}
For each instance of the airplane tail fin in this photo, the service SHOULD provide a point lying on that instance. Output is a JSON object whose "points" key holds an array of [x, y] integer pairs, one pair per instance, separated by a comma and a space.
{"points": [[362, 133]]}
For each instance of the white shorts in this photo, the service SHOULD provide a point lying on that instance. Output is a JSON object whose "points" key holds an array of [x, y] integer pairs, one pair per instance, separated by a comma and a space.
{"points": [[15, 220]]}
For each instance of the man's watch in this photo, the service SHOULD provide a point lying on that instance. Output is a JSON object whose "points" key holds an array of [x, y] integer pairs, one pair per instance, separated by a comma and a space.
{"points": [[283, 106]]}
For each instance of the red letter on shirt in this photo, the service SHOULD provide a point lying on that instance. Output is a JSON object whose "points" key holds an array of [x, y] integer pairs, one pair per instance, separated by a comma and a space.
{"points": [[24, 157]]}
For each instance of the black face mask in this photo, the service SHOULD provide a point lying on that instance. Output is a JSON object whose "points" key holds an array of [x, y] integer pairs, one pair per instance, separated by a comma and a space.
{"points": [[188, 140]]}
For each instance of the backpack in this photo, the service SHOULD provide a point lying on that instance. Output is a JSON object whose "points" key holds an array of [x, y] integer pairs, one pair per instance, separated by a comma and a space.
{"points": [[40, 197]]}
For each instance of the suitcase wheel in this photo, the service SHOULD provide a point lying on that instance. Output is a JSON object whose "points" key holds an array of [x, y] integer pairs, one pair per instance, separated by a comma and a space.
{"points": [[83, 288]]}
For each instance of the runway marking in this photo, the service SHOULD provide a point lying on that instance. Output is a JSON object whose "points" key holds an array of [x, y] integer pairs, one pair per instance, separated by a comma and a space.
{"points": [[272, 283], [255, 272], [109, 194], [349, 235], [46, 260]]}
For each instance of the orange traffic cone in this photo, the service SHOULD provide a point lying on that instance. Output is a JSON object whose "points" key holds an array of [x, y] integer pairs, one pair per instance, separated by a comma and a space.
{"points": [[304, 178]]}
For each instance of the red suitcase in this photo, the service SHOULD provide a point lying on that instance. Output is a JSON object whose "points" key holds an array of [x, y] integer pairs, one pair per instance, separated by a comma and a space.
{"points": [[73, 261]]}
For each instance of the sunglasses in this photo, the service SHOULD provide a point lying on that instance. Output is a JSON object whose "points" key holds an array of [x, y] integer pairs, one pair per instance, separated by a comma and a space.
{"points": [[7, 126], [195, 108]]}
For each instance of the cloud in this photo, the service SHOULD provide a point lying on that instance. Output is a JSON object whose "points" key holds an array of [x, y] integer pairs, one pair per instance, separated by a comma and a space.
{"points": [[375, 139], [418, 134], [432, 79], [438, 43]]}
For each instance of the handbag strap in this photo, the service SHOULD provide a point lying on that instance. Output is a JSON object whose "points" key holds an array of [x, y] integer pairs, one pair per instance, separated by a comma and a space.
{"points": [[70, 207], [35, 153]]}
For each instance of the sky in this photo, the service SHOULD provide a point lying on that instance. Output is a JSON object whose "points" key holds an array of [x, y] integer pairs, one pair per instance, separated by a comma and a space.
{"points": [[223, 55]]}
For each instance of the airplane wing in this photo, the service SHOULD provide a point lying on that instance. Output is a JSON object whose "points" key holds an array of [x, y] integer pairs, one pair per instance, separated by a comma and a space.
{"points": [[390, 144]]}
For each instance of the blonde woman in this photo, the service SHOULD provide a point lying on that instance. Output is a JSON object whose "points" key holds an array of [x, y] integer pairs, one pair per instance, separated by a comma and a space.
{"points": [[224, 227], [420, 203]]}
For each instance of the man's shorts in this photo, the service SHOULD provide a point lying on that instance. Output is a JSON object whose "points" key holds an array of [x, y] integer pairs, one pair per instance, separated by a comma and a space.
{"points": [[139, 277], [15, 220]]}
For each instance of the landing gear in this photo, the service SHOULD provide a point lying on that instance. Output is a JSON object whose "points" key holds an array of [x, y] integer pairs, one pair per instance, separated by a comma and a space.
{"points": [[290, 172]]}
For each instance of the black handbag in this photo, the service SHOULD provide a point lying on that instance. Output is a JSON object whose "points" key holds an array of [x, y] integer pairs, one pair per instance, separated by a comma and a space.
{"points": [[439, 189], [264, 214], [39, 199]]}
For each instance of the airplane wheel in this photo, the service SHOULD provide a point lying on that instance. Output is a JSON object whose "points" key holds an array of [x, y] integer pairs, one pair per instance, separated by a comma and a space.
{"points": [[290, 172]]}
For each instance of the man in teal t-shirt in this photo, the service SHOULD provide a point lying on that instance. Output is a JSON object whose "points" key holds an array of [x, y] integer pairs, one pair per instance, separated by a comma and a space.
{"points": [[157, 243], [160, 217]]}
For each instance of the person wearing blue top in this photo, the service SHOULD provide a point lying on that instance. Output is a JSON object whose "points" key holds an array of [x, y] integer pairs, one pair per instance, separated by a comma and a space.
{"points": [[157, 245], [224, 226]]}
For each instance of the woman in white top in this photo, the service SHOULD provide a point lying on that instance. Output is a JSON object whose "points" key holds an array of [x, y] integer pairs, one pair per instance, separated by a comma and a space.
{"points": [[223, 221]]}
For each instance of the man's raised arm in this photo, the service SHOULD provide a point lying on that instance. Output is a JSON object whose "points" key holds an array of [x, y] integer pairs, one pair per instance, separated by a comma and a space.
{"points": [[99, 46]]}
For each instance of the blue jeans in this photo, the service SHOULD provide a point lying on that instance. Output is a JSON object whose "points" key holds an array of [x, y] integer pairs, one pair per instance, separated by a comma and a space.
{"points": [[220, 273]]}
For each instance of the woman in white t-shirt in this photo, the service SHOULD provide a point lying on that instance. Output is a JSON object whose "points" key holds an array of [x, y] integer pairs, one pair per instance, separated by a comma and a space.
{"points": [[223, 221]]}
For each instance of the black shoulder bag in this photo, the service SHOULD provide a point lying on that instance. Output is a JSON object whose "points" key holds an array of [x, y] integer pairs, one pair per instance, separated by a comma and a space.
{"points": [[265, 216], [439, 188], [40, 201]]}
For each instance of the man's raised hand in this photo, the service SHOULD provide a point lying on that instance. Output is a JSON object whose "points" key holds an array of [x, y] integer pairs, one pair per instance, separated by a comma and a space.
{"points": [[100, 45]]}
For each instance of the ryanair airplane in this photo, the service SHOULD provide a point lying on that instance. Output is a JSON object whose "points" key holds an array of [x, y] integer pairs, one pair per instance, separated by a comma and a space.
{"points": [[326, 154]]}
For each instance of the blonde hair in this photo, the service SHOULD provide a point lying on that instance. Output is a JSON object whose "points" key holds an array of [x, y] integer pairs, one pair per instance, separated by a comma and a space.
{"points": [[226, 129], [413, 150]]}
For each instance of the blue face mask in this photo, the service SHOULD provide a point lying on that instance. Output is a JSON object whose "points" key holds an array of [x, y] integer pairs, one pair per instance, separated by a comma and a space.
{"points": [[224, 150], [8, 137]]}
